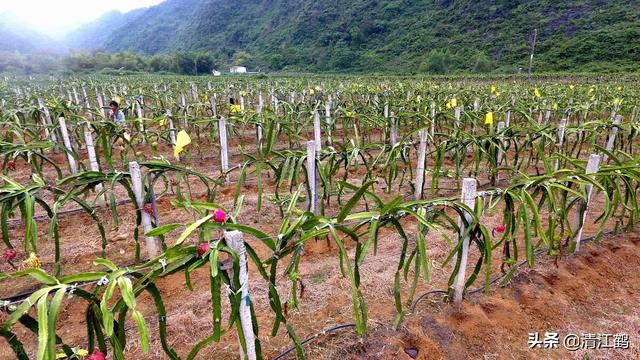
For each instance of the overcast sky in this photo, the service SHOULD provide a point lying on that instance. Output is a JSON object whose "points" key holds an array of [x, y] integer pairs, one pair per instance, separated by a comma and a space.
{"points": [[54, 16]]}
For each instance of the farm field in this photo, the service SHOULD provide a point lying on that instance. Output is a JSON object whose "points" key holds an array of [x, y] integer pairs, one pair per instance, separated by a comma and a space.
{"points": [[409, 217]]}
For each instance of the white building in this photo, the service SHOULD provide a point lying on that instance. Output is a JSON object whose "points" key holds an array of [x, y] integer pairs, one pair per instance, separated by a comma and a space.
{"points": [[237, 69], [216, 73]]}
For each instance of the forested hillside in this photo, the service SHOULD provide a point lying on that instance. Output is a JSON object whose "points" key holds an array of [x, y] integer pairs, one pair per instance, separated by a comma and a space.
{"points": [[430, 36], [396, 35]]}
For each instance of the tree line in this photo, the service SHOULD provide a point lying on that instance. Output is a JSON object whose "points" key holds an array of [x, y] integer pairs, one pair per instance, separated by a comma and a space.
{"points": [[186, 63]]}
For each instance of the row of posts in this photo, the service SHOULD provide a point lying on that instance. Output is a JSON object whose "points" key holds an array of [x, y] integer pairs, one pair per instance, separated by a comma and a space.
{"points": [[234, 238]]}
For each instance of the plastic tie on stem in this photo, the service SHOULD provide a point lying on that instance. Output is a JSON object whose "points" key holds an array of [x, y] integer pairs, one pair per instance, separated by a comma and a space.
{"points": [[163, 262], [103, 281], [230, 291], [73, 289]]}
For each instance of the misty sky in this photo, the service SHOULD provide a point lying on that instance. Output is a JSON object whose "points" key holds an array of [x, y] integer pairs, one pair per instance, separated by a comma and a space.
{"points": [[53, 17]]}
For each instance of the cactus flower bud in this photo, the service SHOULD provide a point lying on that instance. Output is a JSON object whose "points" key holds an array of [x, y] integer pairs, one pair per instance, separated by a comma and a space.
{"points": [[219, 216], [97, 355], [203, 248], [9, 255]]}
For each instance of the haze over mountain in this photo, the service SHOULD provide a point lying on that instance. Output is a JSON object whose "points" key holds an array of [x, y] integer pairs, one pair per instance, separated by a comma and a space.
{"points": [[376, 35], [95, 34], [16, 37]]}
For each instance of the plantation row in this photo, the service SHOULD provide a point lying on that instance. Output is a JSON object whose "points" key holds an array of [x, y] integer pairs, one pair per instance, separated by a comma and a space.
{"points": [[538, 153]]}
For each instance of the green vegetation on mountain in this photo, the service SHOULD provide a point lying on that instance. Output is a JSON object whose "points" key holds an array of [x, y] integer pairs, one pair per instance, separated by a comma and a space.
{"points": [[397, 36]]}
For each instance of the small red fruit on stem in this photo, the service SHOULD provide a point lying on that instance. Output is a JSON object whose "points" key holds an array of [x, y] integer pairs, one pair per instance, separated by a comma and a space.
{"points": [[219, 216], [203, 248], [9, 255], [148, 209], [11, 165], [500, 228]]}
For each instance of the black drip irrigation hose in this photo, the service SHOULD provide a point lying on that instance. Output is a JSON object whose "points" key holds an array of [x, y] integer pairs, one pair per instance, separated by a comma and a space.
{"points": [[15, 222], [313, 337], [415, 303]]}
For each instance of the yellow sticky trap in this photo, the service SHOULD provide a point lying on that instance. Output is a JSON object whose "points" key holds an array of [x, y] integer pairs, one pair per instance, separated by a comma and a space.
{"points": [[182, 141], [616, 101], [311, 91], [488, 119], [454, 102], [118, 100], [493, 89], [555, 106], [572, 87], [536, 92]]}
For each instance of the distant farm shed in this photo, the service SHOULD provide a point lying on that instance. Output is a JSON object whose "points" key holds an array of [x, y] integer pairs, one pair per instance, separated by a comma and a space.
{"points": [[237, 69]]}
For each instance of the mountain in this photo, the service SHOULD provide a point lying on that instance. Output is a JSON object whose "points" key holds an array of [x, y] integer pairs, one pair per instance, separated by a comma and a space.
{"points": [[15, 37], [96, 33], [156, 29], [394, 35]]}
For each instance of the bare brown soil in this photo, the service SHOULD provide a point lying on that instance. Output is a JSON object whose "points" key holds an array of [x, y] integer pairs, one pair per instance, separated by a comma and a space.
{"points": [[595, 291]]}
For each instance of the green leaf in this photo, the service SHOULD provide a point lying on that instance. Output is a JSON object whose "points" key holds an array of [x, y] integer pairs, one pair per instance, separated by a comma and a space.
{"points": [[25, 306], [43, 330], [191, 228], [213, 261], [54, 309], [82, 277], [161, 230], [126, 290], [266, 239], [142, 329], [104, 262], [353, 201], [39, 275]]}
